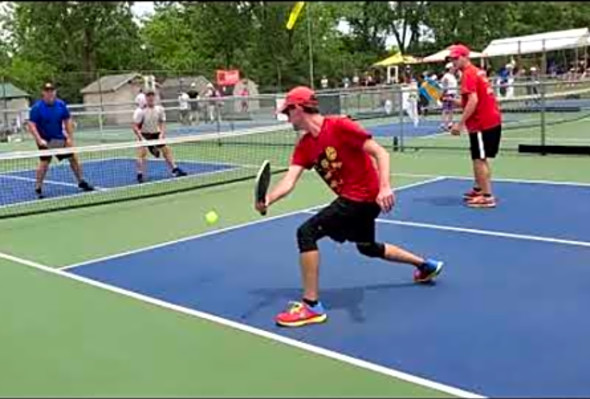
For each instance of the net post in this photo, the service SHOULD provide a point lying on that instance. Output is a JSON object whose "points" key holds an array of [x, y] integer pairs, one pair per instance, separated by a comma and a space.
{"points": [[235, 109], [100, 108], [5, 110], [577, 64], [217, 115], [586, 57], [542, 87], [400, 101], [543, 66], [543, 122]]}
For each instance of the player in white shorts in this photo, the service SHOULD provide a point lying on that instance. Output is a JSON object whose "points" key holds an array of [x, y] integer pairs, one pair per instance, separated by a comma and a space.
{"points": [[449, 85]]}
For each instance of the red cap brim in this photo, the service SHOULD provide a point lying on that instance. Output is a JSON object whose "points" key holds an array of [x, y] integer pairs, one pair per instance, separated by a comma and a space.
{"points": [[283, 108]]}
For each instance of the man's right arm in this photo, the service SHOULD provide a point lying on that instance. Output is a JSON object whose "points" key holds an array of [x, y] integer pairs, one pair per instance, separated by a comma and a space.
{"points": [[38, 139], [137, 119], [33, 120], [299, 162], [285, 185]]}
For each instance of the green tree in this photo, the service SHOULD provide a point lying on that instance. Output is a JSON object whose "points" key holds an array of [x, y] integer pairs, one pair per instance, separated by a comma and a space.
{"points": [[171, 41], [406, 22], [224, 30], [73, 39]]}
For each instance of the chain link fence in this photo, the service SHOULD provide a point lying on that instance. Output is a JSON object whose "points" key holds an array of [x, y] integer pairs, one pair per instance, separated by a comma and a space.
{"points": [[547, 109]]}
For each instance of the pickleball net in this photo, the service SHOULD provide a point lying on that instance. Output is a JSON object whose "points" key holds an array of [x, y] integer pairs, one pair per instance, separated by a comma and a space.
{"points": [[208, 159]]}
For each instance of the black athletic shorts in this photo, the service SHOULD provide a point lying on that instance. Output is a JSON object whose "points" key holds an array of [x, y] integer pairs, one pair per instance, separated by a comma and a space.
{"points": [[347, 220], [485, 144], [52, 144], [152, 136]]}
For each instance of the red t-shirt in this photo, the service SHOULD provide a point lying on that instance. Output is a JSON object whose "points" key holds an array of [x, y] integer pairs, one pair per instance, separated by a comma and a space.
{"points": [[487, 114], [338, 156]]}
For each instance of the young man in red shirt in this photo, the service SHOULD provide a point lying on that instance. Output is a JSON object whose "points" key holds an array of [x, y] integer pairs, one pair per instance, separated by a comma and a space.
{"points": [[356, 168], [482, 120]]}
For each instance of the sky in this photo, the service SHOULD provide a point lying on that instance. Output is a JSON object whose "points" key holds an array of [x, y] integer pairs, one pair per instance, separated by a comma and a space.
{"points": [[141, 8]]}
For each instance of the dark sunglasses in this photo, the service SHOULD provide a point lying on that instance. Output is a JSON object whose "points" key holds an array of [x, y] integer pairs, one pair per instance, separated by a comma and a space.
{"points": [[289, 109]]}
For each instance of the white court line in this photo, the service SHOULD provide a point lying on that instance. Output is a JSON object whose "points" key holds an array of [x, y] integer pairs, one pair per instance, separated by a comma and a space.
{"points": [[554, 138], [495, 179], [395, 190], [251, 330], [53, 182], [224, 230], [180, 240], [505, 180], [487, 232], [492, 233]]}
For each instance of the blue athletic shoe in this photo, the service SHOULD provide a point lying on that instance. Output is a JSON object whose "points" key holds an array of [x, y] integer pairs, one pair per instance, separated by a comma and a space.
{"points": [[428, 271]]}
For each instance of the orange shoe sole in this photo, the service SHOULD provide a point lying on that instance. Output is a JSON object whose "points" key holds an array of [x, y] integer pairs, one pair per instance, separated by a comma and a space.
{"points": [[313, 320]]}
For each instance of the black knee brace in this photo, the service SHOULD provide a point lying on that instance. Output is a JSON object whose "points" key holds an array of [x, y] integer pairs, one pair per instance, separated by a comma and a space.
{"points": [[371, 249], [307, 236]]}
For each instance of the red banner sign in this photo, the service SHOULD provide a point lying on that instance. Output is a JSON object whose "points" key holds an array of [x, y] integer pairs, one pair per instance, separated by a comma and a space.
{"points": [[228, 77]]}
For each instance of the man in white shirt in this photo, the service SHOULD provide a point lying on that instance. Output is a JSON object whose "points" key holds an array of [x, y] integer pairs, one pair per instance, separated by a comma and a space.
{"points": [[510, 80], [213, 103], [140, 100], [149, 124], [449, 94], [346, 82], [183, 107], [195, 103], [410, 101]]}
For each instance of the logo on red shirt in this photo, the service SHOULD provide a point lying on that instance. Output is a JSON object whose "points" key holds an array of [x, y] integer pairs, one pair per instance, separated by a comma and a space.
{"points": [[338, 156], [330, 169]]}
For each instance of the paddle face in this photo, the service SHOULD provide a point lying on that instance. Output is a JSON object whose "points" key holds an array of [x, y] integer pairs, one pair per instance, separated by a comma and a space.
{"points": [[262, 183]]}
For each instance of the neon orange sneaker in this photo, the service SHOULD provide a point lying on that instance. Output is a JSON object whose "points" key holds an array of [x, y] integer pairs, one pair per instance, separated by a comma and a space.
{"points": [[299, 314], [471, 194], [482, 202]]}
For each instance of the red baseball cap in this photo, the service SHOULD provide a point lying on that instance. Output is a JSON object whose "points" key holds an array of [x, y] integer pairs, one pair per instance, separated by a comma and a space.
{"points": [[300, 95], [459, 50]]}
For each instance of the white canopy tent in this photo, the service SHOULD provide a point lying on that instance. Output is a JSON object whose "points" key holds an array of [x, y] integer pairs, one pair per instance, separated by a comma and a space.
{"points": [[442, 55], [539, 43]]}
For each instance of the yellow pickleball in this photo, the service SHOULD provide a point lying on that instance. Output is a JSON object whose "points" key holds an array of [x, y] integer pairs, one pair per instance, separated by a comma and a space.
{"points": [[211, 217]]}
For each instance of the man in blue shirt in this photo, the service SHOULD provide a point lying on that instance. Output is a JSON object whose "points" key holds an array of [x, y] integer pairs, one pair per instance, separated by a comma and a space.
{"points": [[47, 120]]}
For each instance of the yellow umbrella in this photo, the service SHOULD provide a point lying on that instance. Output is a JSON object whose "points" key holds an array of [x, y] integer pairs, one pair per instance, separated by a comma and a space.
{"points": [[397, 59]]}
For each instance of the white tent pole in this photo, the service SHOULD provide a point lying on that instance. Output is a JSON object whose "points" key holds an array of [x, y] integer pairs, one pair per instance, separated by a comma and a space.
{"points": [[577, 65], [543, 65]]}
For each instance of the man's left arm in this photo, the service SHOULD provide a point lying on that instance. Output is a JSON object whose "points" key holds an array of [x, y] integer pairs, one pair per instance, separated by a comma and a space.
{"points": [[355, 136], [385, 199], [468, 111], [69, 127], [162, 123]]}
